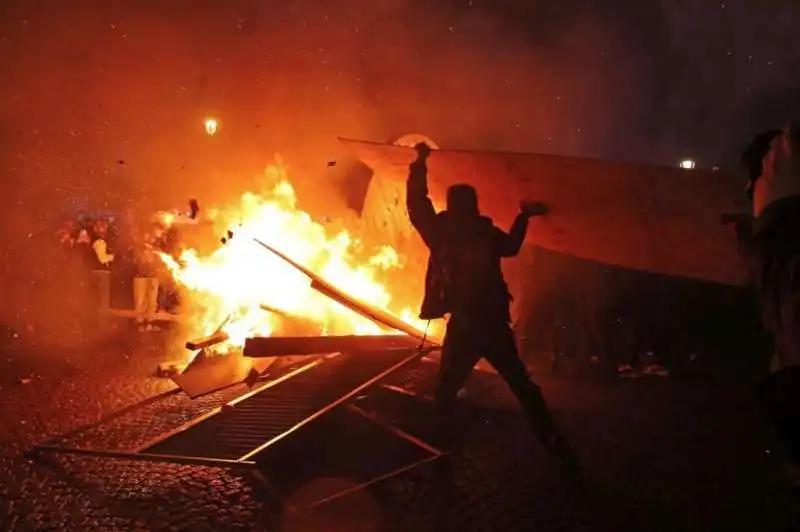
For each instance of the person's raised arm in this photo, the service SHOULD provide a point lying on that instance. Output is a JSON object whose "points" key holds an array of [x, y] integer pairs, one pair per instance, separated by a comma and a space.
{"points": [[509, 244], [419, 205]]}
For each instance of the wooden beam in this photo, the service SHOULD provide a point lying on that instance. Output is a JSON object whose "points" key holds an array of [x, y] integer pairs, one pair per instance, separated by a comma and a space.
{"points": [[274, 310], [278, 346], [372, 313], [207, 341]]}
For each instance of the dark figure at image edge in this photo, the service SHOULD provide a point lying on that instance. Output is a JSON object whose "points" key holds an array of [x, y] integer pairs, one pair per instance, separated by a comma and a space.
{"points": [[464, 279], [771, 243]]}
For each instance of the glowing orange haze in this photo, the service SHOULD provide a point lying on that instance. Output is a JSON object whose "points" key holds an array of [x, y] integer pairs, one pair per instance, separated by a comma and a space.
{"points": [[239, 277]]}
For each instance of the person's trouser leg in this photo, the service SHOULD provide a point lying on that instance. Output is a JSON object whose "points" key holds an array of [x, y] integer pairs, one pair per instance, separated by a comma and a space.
{"points": [[501, 352], [140, 299], [103, 282], [455, 366], [502, 355], [152, 298]]}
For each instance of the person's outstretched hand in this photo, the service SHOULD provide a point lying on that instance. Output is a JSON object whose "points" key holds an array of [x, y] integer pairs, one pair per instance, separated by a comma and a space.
{"points": [[533, 208]]}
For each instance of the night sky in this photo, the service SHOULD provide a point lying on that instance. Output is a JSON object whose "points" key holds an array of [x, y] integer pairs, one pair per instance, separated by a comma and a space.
{"points": [[103, 101]]}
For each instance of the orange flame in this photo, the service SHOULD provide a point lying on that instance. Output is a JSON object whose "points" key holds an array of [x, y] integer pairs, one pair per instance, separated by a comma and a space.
{"points": [[233, 284]]}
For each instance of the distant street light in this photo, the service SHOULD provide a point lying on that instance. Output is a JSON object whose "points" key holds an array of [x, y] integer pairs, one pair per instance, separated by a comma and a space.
{"points": [[211, 126], [687, 164]]}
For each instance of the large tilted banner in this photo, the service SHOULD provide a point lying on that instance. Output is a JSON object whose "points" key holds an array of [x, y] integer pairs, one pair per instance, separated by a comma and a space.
{"points": [[656, 219]]}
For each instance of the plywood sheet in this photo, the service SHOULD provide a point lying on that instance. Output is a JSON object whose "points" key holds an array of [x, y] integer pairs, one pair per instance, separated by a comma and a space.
{"points": [[213, 373], [656, 219]]}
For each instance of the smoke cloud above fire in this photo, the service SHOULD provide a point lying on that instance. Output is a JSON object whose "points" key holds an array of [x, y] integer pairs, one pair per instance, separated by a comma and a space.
{"points": [[103, 103]]}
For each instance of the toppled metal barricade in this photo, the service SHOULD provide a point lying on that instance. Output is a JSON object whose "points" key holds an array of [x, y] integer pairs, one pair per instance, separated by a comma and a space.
{"points": [[247, 431]]}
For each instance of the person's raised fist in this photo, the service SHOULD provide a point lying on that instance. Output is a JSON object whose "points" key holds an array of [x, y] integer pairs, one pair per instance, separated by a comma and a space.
{"points": [[533, 208], [423, 151]]}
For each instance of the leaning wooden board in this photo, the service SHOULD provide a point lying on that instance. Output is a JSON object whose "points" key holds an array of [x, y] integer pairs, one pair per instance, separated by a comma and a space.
{"points": [[656, 219]]}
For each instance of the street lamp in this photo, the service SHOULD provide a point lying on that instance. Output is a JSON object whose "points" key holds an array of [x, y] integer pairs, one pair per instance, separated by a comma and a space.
{"points": [[687, 164], [211, 126]]}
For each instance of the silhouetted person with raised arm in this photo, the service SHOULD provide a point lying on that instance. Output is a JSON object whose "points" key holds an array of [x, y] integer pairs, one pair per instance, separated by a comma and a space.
{"points": [[464, 280]]}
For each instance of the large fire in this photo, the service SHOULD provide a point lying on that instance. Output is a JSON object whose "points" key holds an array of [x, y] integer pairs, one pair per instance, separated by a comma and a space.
{"points": [[247, 291]]}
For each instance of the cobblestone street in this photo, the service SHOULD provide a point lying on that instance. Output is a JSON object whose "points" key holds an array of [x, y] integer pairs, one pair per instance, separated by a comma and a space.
{"points": [[661, 454]]}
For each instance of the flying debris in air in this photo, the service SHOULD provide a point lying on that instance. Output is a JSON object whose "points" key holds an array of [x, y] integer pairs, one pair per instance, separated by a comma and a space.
{"points": [[194, 209], [228, 237]]}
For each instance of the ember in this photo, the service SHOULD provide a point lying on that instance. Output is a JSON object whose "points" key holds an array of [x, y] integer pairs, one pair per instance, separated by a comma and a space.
{"points": [[235, 283]]}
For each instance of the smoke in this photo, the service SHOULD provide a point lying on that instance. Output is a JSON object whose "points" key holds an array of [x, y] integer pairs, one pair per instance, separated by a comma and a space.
{"points": [[727, 71], [109, 106], [103, 102]]}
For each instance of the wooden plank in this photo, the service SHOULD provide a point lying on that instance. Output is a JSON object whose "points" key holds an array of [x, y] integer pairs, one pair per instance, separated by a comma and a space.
{"points": [[278, 346], [258, 368], [212, 373], [207, 341], [656, 219]]}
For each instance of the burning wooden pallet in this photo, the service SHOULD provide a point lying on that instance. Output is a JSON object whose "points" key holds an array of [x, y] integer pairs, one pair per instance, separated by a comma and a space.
{"points": [[208, 372]]}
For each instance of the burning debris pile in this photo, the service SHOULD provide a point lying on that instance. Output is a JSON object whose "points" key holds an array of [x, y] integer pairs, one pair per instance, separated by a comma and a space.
{"points": [[278, 272]]}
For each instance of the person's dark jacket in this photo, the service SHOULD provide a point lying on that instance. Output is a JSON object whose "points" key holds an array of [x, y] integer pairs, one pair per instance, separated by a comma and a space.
{"points": [[773, 253], [83, 247], [464, 276]]}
